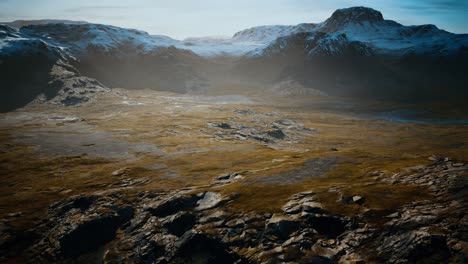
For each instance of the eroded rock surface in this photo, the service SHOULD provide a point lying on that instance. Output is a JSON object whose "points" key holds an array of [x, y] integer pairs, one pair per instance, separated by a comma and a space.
{"points": [[190, 226], [277, 133]]}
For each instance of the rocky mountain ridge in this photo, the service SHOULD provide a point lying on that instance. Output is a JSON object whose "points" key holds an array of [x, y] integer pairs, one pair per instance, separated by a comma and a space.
{"points": [[116, 57], [355, 52], [34, 70], [369, 26]]}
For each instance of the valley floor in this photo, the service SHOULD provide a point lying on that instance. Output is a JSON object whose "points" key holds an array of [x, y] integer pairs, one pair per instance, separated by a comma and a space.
{"points": [[147, 175]]}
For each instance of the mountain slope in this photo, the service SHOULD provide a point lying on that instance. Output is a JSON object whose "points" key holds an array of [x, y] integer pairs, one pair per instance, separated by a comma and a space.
{"points": [[368, 25], [30, 67], [115, 56], [125, 58], [84, 39], [265, 34], [357, 53], [386, 37]]}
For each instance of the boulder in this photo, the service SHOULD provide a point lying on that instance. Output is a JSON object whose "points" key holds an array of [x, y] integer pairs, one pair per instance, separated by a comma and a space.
{"points": [[172, 205], [277, 133], [358, 199], [213, 217], [329, 226], [180, 223], [209, 200], [313, 207], [83, 224], [415, 246], [88, 235], [195, 247], [281, 226]]}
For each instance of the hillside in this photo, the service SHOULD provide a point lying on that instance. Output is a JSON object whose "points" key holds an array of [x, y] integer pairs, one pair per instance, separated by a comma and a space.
{"points": [[357, 53]]}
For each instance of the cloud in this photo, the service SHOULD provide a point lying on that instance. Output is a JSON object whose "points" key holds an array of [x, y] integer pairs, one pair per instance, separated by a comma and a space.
{"points": [[79, 9], [437, 5]]}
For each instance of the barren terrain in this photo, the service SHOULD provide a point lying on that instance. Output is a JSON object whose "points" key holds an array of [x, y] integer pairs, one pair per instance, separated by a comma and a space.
{"points": [[243, 156]]}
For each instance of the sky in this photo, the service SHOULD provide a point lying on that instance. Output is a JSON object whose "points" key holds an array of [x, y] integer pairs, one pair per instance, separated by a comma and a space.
{"points": [[188, 18]]}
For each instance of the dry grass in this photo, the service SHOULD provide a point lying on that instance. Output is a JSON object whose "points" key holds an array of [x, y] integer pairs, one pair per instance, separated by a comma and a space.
{"points": [[30, 181]]}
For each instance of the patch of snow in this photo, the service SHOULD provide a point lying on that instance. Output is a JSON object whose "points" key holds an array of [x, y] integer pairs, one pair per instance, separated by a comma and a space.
{"points": [[212, 49], [82, 37], [18, 46], [132, 103], [262, 34]]}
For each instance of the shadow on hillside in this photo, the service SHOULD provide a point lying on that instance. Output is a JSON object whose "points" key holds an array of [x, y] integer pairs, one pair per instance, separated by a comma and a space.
{"points": [[23, 79]]}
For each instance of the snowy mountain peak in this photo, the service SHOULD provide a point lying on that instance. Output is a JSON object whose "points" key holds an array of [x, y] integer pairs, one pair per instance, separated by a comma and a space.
{"points": [[262, 34], [355, 14], [340, 19], [83, 38]]}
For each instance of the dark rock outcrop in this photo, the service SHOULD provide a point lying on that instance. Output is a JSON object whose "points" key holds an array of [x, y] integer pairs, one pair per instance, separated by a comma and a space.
{"points": [[198, 248], [191, 227], [80, 225]]}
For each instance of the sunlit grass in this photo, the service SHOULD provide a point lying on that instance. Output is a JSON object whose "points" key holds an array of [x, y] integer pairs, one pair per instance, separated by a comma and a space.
{"points": [[31, 181]]}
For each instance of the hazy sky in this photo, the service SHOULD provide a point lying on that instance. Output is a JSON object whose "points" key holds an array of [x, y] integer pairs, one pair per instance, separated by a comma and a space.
{"points": [[184, 18]]}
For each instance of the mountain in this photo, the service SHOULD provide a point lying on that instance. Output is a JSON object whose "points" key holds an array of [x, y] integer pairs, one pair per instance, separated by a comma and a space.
{"points": [[262, 34], [265, 34], [211, 47], [32, 68], [22, 23], [356, 52], [368, 26], [86, 39], [387, 36], [115, 56]]}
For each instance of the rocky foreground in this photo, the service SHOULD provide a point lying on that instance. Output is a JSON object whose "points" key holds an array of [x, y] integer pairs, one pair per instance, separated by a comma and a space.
{"points": [[195, 226]]}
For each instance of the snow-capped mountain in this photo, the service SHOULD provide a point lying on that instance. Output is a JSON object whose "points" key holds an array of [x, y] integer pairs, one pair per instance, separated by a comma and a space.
{"points": [[312, 44], [51, 58], [262, 34], [14, 44], [32, 68], [368, 27], [265, 34], [387, 36], [358, 24], [217, 46], [352, 52], [82, 39], [357, 52], [86, 38]]}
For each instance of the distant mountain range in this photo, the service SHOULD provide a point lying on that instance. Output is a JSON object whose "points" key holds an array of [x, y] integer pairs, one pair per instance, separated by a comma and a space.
{"points": [[22, 23], [355, 52]]}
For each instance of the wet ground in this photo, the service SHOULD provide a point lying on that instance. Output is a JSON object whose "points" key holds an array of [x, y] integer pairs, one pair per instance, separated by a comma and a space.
{"points": [[311, 169], [78, 139], [418, 117]]}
